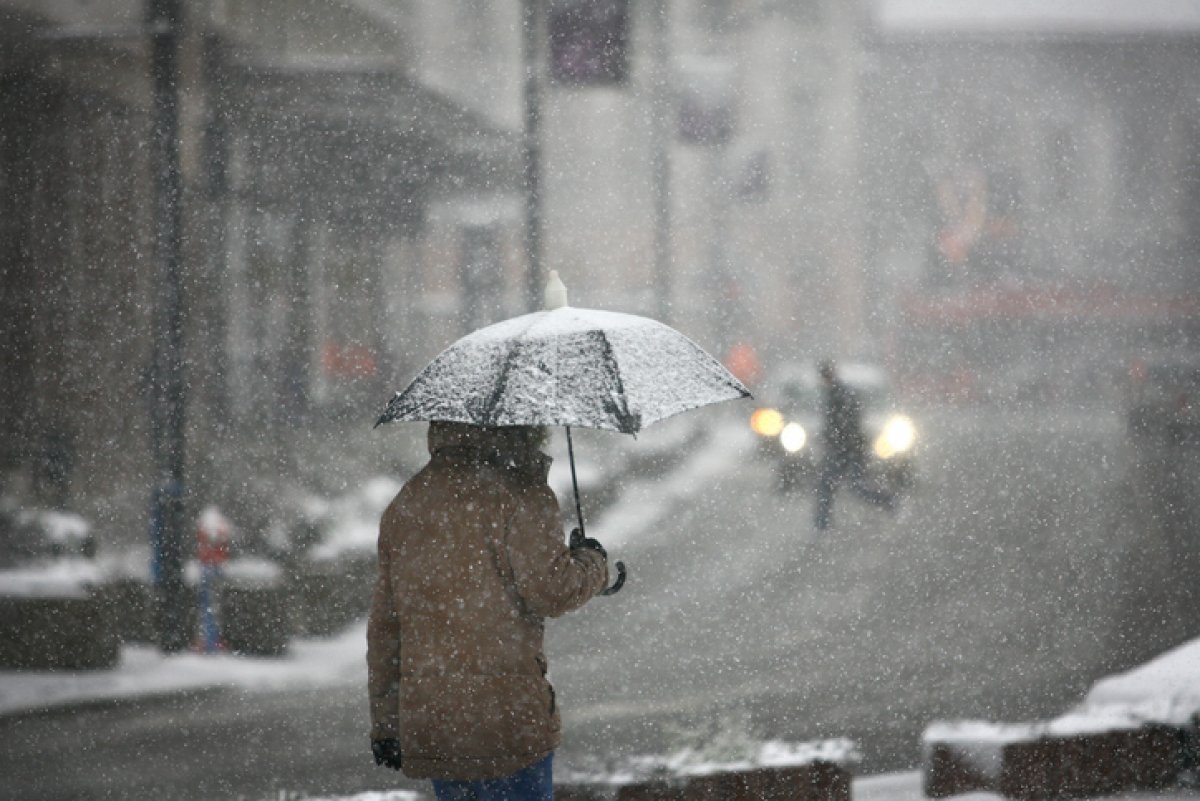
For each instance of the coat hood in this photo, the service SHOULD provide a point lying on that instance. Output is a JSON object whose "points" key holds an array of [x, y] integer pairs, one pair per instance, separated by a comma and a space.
{"points": [[511, 447]]}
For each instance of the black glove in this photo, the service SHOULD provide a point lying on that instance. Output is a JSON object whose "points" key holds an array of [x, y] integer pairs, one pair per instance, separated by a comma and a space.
{"points": [[580, 541], [387, 753]]}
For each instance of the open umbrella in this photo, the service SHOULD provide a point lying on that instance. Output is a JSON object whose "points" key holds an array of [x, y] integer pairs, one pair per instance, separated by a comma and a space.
{"points": [[570, 367]]}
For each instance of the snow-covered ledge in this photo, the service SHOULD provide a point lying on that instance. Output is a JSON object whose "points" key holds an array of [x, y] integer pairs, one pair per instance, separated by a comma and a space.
{"points": [[1131, 721]]}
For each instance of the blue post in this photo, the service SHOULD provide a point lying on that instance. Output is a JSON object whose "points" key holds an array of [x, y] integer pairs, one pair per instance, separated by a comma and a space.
{"points": [[210, 629], [161, 496]]}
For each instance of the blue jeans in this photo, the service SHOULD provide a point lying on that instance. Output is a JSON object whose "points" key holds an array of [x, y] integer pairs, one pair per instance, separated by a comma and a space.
{"points": [[534, 783]]}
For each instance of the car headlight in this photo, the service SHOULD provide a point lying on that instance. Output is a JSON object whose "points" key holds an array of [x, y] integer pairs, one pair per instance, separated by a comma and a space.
{"points": [[766, 422], [898, 436], [792, 437]]}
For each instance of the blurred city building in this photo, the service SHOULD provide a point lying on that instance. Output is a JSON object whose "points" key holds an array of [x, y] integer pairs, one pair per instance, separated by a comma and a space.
{"points": [[902, 180], [1034, 213]]}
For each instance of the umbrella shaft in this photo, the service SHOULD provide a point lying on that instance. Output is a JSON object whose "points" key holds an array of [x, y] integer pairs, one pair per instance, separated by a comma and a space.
{"points": [[574, 480]]}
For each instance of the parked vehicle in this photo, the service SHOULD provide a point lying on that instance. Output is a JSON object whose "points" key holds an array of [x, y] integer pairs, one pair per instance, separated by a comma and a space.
{"points": [[788, 426]]}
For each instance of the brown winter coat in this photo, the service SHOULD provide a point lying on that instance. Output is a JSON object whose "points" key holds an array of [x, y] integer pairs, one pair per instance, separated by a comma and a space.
{"points": [[471, 562]]}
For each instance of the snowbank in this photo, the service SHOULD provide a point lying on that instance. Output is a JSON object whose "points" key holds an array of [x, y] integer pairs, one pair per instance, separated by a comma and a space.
{"points": [[58, 578], [144, 670], [1164, 690], [1126, 734]]}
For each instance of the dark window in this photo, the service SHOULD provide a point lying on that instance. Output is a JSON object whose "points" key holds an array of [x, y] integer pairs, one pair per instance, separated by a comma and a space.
{"points": [[589, 42]]}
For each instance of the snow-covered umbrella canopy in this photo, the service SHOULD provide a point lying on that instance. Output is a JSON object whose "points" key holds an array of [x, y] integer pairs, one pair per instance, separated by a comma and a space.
{"points": [[567, 366]]}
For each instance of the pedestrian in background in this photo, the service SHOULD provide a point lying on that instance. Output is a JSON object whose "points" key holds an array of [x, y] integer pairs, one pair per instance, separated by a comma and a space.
{"points": [[471, 562], [845, 448]]}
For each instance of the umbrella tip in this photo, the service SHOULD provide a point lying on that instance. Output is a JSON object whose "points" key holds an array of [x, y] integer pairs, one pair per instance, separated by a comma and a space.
{"points": [[556, 292]]}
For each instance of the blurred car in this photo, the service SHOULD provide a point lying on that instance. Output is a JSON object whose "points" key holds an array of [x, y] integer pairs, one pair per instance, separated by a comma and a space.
{"points": [[53, 593], [1164, 399], [788, 426]]}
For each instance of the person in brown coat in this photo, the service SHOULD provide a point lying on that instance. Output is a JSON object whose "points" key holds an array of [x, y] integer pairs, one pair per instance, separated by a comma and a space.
{"points": [[471, 563]]}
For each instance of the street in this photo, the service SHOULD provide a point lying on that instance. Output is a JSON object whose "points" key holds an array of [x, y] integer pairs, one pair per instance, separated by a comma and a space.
{"points": [[1010, 581]]}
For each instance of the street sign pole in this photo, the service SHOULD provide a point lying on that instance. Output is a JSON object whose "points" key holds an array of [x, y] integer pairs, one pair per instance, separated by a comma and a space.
{"points": [[531, 29], [661, 100], [169, 530]]}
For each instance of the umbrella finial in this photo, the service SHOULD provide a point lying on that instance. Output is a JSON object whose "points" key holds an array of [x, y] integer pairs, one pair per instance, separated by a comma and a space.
{"points": [[556, 292]]}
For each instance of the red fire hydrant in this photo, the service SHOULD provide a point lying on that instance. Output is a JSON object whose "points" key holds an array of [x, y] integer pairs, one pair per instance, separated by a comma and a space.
{"points": [[213, 535]]}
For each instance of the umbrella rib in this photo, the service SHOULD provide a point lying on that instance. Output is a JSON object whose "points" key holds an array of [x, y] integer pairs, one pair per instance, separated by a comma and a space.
{"points": [[628, 421], [502, 379], [500, 385]]}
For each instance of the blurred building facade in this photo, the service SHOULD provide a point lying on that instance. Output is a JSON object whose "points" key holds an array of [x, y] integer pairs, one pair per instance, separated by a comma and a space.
{"points": [[316, 152], [1035, 173], [809, 176]]}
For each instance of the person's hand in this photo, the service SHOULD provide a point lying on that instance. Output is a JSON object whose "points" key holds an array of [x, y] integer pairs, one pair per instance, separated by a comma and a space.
{"points": [[387, 753], [579, 541]]}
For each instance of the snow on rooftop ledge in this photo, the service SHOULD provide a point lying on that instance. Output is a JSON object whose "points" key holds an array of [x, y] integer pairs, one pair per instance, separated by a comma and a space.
{"points": [[1038, 17], [944, 731]]}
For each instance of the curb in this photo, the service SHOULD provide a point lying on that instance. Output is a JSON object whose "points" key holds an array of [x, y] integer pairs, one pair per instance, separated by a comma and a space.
{"points": [[817, 781]]}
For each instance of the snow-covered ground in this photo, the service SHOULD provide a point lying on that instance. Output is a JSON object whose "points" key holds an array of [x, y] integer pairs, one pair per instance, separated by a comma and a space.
{"points": [[144, 670], [890, 787], [1167, 688]]}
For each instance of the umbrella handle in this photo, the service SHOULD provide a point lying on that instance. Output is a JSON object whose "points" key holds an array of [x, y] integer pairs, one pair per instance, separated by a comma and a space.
{"points": [[619, 583], [575, 481]]}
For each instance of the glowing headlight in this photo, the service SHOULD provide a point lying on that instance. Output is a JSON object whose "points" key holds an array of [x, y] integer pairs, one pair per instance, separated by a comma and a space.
{"points": [[897, 437], [793, 437], [766, 422]]}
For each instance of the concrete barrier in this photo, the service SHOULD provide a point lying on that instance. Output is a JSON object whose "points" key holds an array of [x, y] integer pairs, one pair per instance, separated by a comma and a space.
{"points": [[130, 605], [251, 599], [1031, 762], [56, 633], [652, 791], [327, 596], [948, 772], [1102, 763], [819, 781], [255, 621]]}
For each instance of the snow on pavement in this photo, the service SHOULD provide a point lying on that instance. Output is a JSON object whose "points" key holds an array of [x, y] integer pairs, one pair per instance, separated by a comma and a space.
{"points": [[144, 670], [645, 503], [1167, 685]]}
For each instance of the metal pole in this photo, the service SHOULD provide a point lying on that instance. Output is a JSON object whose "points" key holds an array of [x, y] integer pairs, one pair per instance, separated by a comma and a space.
{"points": [[531, 28], [661, 98], [164, 18]]}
